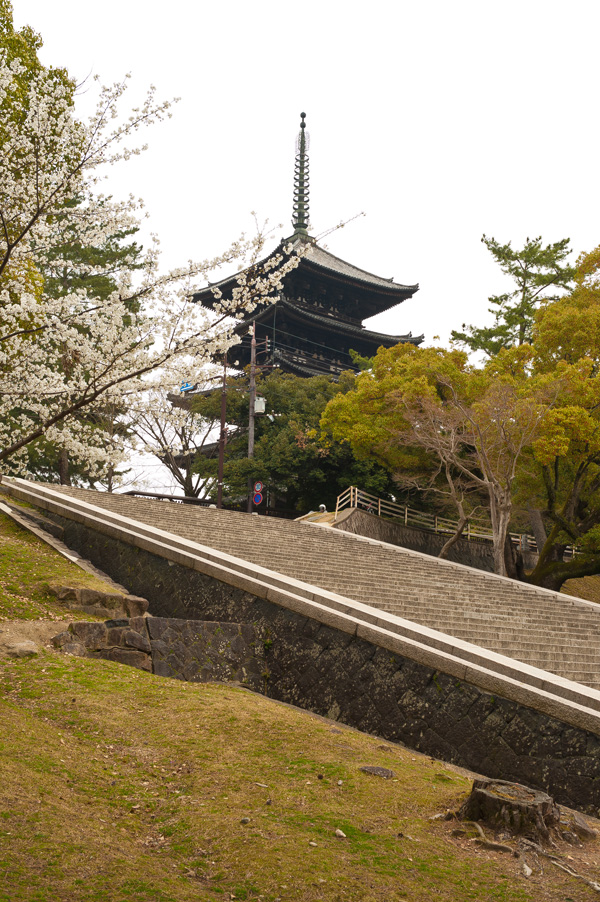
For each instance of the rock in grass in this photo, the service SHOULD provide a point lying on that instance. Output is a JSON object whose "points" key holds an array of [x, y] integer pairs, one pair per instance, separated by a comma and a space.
{"points": [[62, 639], [245, 820], [63, 593], [135, 606], [24, 649], [75, 648], [340, 834], [378, 772], [574, 827], [90, 634]]}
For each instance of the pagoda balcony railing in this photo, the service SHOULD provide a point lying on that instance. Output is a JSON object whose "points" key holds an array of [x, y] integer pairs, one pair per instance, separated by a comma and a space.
{"points": [[314, 306], [328, 366], [475, 530]]}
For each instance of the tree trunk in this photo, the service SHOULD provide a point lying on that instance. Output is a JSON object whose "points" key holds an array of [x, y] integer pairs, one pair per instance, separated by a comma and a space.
{"points": [[500, 527], [63, 467], [500, 512], [554, 574], [511, 806], [550, 570], [537, 526], [453, 539], [513, 560]]}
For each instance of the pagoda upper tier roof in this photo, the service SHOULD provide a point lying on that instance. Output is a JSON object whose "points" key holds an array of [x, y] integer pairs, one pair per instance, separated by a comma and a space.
{"points": [[323, 259], [332, 324], [376, 293]]}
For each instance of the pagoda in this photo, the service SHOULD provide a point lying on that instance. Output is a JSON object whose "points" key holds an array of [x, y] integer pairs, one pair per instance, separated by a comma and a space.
{"points": [[317, 318]]}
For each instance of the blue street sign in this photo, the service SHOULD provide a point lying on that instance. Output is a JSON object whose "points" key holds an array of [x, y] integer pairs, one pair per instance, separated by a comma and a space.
{"points": [[257, 498], [186, 386]]}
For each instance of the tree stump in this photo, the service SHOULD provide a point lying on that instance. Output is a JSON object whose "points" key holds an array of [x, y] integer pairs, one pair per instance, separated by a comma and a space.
{"points": [[512, 807]]}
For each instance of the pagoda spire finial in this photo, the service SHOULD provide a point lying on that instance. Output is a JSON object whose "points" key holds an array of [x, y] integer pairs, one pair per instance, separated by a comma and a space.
{"points": [[301, 192]]}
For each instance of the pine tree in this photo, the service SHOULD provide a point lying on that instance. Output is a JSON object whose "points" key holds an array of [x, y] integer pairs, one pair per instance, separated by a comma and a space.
{"points": [[538, 273]]}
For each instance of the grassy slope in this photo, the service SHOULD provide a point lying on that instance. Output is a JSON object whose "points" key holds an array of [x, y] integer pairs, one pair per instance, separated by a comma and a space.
{"points": [[118, 786], [27, 566], [588, 588]]}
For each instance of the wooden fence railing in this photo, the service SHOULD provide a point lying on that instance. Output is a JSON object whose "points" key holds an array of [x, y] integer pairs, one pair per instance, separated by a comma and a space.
{"points": [[371, 504]]}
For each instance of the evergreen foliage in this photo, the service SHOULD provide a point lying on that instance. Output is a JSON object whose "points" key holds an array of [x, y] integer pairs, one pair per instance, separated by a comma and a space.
{"points": [[301, 466], [538, 274]]}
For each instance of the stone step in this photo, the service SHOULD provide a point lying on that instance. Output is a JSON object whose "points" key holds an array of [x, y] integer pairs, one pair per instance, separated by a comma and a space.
{"points": [[544, 629], [508, 628], [550, 627]]}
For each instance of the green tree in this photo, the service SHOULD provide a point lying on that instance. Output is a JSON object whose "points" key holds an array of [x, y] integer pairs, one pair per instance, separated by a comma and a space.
{"points": [[538, 274], [95, 265], [561, 479], [300, 466], [521, 432], [427, 412]]}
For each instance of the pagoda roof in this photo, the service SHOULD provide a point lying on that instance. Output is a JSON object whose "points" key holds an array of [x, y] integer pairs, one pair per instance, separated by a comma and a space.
{"points": [[379, 293], [332, 324], [325, 260]]}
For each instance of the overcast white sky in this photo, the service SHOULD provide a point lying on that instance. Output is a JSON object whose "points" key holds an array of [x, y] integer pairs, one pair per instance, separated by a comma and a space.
{"points": [[441, 121]]}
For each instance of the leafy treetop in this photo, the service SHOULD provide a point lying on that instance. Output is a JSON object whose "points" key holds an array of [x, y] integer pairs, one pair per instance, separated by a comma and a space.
{"points": [[538, 274]]}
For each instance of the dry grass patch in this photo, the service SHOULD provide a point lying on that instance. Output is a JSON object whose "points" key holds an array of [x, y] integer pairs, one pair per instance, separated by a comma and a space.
{"points": [[120, 786], [27, 566], [588, 588]]}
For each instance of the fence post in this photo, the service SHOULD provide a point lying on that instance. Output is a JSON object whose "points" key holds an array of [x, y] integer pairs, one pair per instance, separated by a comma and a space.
{"points": [[379, 507], [435, 524], [406, 516]]}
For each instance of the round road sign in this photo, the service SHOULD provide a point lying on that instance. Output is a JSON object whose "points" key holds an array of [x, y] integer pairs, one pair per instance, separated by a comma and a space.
{"points": [[258, 498]]}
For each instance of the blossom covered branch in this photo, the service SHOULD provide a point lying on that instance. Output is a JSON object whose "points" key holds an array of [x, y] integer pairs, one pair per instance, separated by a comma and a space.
{"points": [[64, 352]]}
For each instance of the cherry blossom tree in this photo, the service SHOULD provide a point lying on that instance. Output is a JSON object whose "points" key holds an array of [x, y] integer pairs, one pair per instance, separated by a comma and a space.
{"points": [[172, 430], [65, 353]]}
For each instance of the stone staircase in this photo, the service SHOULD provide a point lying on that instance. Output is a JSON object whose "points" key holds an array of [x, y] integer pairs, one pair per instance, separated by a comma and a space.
{"points": [[543, 629]]}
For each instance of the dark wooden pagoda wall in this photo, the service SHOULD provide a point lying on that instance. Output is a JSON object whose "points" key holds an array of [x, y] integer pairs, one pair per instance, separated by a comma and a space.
{"points": [[300, 346], [324, 299]]}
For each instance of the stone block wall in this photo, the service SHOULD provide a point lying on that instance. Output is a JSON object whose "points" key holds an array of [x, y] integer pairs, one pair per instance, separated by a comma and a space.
{"points": [[101, 604], [193, 650], [203, 651], [473, 553], [340, 676]]}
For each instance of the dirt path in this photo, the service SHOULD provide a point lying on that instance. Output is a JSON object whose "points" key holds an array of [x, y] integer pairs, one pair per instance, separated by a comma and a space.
{"points": [[38, 631]]}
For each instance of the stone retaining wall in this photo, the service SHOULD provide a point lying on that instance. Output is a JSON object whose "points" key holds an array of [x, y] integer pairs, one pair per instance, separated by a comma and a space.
{"points": [[194, 650], [343, 677], [472, 553]]}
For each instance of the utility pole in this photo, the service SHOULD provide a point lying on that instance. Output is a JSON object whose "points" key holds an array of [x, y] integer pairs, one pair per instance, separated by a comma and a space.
{"points": [[223, 436], [251, 406]]}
